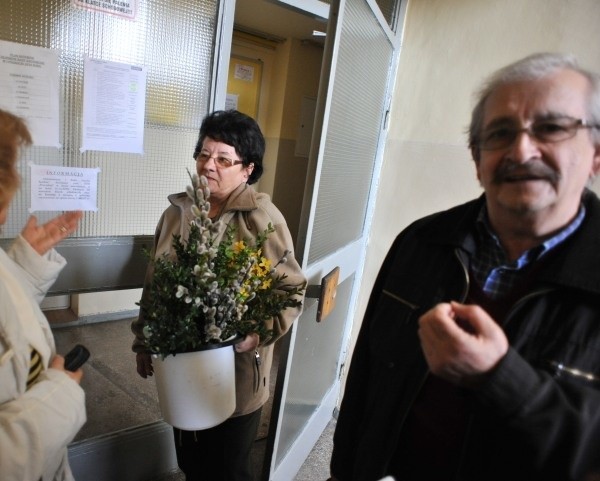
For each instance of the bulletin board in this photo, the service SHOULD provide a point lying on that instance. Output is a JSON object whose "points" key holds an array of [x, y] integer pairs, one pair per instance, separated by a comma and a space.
{"points": [[174, 41], [243, 84]]}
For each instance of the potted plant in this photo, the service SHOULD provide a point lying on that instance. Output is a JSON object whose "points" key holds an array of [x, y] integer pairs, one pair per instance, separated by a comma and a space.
{"points": [[202, 299]]}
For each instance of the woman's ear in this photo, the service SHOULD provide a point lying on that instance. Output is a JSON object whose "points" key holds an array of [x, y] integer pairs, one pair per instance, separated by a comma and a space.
{"points": [[249, 169]]}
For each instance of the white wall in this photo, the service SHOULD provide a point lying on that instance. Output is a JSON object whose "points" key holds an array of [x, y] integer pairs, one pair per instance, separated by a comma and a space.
{"points": [[113, 302], [448, 48]]}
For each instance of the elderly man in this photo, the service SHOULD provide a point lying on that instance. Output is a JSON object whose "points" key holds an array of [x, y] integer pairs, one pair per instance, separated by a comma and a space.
{"points": [[479, 355]]}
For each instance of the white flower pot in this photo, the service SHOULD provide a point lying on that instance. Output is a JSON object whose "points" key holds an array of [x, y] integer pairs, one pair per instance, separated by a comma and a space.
{"points": [[196, 390]]}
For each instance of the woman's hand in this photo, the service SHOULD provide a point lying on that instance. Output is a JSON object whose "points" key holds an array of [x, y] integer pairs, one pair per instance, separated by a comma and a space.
{"points": [[249, 343], [58, 362], [144, 364], [44, 237]]}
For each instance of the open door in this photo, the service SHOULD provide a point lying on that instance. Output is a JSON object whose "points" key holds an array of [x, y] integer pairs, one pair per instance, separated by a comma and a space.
{"points": [[358, 68]]}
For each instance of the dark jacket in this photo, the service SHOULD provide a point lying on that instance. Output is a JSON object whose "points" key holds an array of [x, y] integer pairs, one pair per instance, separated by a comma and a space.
{"points": [[537, 415]]}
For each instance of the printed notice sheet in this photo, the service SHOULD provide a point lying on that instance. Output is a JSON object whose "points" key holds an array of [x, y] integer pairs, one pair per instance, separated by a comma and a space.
{"points": [[231, 102], [29, 89], [114, 96], [120, 8], [63, 188]]}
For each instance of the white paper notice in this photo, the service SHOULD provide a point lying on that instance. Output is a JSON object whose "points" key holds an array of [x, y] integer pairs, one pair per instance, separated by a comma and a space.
{"points": [[114, 97], [243, 72], [29, 89], [121, 8], [231, 102], [63, 188]]}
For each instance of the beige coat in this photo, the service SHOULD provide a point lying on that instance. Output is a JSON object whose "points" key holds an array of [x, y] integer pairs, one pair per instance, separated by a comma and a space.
{"points": [[250, 212], [36, 424]]}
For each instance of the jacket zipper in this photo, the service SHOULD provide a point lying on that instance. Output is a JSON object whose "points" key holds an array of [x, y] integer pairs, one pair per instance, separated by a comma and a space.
{"points": [[427, 372], [463, 298], [515, 307], [525, 298], [426, 375], [257, 363]]}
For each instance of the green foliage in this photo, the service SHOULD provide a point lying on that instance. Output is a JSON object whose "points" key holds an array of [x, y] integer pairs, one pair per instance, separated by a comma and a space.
{"points": [[206, 293]]}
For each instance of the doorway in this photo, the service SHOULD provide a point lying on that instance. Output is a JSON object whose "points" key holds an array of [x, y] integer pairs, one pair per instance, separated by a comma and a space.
{"points": [[354, 94], [274, 74]]}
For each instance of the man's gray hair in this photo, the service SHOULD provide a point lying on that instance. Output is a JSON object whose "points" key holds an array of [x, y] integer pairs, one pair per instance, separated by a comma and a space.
{"points": [[534, 67]]}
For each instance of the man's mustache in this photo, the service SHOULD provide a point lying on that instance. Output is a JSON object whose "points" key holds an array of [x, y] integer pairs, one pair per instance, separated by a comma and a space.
{"points": [[512, 172]]}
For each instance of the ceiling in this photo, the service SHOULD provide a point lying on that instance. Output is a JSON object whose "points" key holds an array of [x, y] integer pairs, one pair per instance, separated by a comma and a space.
{"points": [[273, 19]]}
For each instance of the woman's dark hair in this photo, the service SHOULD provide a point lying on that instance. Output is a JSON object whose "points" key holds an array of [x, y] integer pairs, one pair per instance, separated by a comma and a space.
{"points": [[241, 132]]}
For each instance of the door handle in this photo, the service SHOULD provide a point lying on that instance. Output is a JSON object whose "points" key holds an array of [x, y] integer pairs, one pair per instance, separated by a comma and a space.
{"points": [[325, 292]]}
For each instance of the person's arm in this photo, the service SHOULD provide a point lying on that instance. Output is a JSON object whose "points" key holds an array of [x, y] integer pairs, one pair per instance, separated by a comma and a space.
{"points": [[33, 251], [37, 273], [558, 421], [36, 427], [46, 236], [353, 406], [277, 244], [143, 358], [352, 409], [461, 343]]}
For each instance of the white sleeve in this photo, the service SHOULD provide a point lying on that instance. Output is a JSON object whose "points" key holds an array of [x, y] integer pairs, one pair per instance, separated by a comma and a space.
{"points": [[36, 427], [38, 272]]}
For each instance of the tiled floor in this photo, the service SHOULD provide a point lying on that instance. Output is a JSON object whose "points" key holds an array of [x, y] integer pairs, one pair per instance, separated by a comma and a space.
{"points": [[117, 398]]}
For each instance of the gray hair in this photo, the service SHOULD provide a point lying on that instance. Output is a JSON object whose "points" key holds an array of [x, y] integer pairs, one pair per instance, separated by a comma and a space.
{"points": [[534, 67]]}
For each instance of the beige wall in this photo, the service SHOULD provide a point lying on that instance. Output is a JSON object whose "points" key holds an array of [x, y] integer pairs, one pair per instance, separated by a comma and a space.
{"points": [[275, 59], [302, 80], [291, 70], [448, 48]]}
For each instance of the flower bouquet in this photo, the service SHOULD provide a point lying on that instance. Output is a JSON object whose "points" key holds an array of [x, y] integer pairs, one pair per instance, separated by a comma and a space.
{"points": [[208, 294]]}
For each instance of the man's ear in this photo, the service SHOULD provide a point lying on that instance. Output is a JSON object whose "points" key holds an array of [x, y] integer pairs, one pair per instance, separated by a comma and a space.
{"points": [[476, 153], [596, 162]]}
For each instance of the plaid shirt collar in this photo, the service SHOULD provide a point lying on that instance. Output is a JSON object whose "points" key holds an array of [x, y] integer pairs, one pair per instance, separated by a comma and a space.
{"points": [[492, 270]]}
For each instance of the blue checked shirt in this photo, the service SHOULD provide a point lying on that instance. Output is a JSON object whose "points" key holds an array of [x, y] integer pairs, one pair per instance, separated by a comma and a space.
{"points": [[492, 270]]}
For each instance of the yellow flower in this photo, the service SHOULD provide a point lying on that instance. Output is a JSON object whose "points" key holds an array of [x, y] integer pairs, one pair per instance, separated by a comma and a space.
{"points": [[256, 271], [266, 284], [265, 263], [239, 246]]}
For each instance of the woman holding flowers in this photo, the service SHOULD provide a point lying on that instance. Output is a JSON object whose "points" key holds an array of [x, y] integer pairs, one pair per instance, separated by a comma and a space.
{"points": [[229, 156]]}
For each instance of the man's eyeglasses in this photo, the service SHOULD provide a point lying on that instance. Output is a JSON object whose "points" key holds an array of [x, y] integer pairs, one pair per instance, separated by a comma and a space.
{"points": [[543, 130], [220, 160]]}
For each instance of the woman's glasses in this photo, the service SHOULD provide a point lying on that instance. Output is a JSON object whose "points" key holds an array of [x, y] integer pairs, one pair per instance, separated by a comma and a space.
{"points": [[220, 160]]}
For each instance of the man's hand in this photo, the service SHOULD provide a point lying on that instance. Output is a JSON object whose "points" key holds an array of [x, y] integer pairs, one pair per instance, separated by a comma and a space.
{"points": [[144, 364], [249, 343], [58, 362], [461, 342], [44, 237]]}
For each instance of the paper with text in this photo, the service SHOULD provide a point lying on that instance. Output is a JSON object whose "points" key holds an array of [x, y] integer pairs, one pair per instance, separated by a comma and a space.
{"points": [[63, 188], [29, 89], [114, 104]]}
